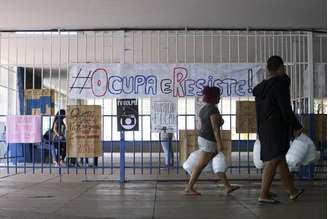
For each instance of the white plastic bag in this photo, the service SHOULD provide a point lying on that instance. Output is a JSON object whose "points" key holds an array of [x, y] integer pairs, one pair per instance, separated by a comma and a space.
{"points": [[311, 154], [294, 169], [219, 163], [193, 160], [257, 155], [297, 151]]}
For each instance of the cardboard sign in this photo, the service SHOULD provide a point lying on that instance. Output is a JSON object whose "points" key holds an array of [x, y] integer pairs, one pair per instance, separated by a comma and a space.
{"points": [[187, 143], [245, 117], [39, 101], [84, 131], [127, 115], [164, 113], [226, 141], [23, 129]]}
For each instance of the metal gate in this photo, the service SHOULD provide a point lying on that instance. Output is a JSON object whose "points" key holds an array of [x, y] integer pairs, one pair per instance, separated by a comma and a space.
{"points": [[45, 57]]}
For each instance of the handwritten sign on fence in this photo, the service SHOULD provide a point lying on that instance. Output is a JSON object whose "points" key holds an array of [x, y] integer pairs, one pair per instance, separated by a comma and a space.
{"points": [[164, 114], [84, 131], [161, 80], [23, 129]]}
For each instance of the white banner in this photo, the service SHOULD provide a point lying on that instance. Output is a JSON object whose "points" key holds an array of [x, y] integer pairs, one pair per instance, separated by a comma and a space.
{"points": [[161, 80], [164, 113]]}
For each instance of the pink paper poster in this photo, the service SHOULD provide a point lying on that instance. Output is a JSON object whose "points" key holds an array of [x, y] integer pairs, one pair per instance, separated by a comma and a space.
{"points": [[23, 129]]}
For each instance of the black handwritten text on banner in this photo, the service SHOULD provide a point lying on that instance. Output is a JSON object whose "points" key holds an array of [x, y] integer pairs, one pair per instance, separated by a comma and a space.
{"points": [[161, 80]]}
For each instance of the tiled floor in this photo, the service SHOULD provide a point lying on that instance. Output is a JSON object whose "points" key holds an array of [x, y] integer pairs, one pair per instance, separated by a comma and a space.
{"points": [[42, 196]]}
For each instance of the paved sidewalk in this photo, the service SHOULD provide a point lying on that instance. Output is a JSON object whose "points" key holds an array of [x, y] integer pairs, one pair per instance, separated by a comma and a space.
{"points": [[42, 196]]}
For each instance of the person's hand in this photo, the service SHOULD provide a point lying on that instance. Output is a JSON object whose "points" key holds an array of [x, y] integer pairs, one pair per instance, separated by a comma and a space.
{"points": [[298, 132]]}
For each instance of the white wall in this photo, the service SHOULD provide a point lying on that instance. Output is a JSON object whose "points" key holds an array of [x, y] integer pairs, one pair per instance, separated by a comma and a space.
{"points": [[46, 14]]}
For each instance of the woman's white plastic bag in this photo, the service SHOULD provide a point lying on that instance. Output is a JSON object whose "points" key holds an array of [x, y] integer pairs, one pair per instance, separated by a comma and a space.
{"points": [[257, 155], [219, 163], [297, 151], [294, 169], [193, 160], [311, 154]]}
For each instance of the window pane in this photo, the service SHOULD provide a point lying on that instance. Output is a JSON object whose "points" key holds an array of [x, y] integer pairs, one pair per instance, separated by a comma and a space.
{"points": [[225, 106], [46, 123], [3, 99], [107, 128], [146, 105], [181, 105], [181, 122], [226, 124], [191, 105], [191, 122], [99, 102], [137, 134], [108, 105], [146, 128], [12, 102], [4, 76], [12, 80], [114, 109], [116, 134]]}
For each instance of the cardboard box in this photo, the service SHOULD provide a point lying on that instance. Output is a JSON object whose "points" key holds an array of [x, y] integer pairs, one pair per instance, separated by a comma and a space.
{"points": [[245, 124], [187, 143], [225, 135], [245, 117], [226, 141], [244, 107]]}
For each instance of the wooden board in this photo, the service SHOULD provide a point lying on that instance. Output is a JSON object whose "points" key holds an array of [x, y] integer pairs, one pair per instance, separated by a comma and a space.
{"points": [[187, 143]]}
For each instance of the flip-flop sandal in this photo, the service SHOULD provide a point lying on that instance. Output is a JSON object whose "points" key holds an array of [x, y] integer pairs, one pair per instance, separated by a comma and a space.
{"points": [[234, 188], [268, 201], [297, 195]]}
